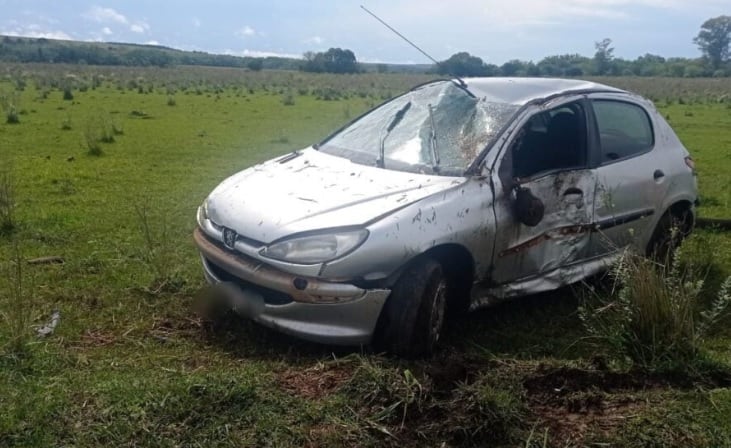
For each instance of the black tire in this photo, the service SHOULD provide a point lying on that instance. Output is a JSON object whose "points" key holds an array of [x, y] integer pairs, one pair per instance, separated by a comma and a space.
{"points": [[412, 319], [669, 233]]}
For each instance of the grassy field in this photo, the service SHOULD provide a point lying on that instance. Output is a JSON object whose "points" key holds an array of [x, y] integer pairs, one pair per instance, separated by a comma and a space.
{"points": [[130, 364]]}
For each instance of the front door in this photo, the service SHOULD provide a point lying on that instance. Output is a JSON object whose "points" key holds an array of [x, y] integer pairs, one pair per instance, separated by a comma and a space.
{"points": [[548, 157]]}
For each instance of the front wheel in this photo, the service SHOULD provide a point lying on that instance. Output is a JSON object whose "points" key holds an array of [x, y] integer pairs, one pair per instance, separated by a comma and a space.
{"points": [[412, 319]]}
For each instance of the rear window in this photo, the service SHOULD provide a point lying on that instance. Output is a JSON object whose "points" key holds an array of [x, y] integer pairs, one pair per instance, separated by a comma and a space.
{"points": [[625, 129]]}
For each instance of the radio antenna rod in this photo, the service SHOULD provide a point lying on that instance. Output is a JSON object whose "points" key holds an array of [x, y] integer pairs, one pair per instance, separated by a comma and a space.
{"points": [[400, 35]]}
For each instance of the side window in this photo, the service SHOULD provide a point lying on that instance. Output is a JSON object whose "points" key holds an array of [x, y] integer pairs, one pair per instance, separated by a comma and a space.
{"points": [[550, 141], [624, 129]]}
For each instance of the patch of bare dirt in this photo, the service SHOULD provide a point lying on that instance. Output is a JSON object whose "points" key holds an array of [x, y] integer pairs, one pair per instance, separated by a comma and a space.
{"points": [[315, 382], [574, 417], [573, 403], [93, 338], [164, 328]]}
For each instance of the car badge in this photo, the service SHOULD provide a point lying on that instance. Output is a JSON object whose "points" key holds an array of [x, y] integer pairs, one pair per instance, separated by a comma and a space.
{"points": [[229, 238]]}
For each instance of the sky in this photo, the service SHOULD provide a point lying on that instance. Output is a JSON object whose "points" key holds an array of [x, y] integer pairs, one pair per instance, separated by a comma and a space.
{"points": [[494, 30]]}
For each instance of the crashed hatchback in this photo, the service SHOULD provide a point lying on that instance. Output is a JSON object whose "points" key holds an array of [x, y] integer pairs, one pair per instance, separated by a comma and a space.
{"points": [[455, 195]]}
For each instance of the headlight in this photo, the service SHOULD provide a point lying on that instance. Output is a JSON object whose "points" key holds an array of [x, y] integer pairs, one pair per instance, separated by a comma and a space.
{"points": [[315, 249], [203, 213]]}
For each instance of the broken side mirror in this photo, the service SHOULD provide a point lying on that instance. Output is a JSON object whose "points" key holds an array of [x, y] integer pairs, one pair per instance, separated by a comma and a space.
{"points": [[528, 208]]}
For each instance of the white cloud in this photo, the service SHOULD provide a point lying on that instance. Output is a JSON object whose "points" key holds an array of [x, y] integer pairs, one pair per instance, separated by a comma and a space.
{"points": [[139, 27], [105, 15], [314, 40], [261, 54], [502, 14], [246, 31], [152, 42], [107, 31], [36, 31]]}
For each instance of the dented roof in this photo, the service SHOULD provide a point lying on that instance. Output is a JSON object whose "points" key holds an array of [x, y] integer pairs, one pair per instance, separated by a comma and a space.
{"points": [[520, 91]]}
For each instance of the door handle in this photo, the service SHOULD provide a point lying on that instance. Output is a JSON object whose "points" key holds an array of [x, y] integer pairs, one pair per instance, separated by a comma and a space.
{"points": [[658, 174], [573, 191]]}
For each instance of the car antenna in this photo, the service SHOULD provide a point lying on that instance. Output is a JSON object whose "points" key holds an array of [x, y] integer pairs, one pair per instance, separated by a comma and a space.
{"points": [[461, 82]]}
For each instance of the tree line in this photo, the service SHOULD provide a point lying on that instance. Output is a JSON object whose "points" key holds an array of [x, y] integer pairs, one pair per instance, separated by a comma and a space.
{"points": [[23, 49], [713, 40]]}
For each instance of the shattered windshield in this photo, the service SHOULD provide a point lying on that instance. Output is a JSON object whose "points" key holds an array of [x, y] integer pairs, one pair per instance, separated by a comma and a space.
{"points": [[439, 128]]}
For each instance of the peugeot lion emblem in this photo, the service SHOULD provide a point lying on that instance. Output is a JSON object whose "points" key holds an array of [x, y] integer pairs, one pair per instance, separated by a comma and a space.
{"points": [[229, 237]]}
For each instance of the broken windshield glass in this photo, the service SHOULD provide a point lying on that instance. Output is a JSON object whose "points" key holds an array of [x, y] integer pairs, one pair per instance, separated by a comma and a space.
{"points": [[445, 129]]}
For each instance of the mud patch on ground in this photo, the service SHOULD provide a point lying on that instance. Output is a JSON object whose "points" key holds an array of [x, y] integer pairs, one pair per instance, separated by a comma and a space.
{"points": [[571, 379], [94, 338], [165, 328], [315, 382], [574, 403]]}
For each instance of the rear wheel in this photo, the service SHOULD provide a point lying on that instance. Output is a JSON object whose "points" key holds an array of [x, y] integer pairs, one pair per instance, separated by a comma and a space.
{"points": [[412, 319], [672, 228]]}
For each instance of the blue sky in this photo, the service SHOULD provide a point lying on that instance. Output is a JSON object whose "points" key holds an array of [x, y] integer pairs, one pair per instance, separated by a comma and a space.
{"points": [[495, 30]]}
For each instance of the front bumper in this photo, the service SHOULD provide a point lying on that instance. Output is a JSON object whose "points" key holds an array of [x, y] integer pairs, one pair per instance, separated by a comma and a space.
{"points": [[312, 309]]}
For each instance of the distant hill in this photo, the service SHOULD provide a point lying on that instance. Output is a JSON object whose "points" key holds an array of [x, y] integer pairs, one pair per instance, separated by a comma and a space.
{"points": [[26, 49]]}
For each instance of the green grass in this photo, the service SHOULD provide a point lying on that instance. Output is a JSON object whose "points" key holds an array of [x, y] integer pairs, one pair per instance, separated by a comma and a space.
{"points": [[131, 365], [703, 128]]}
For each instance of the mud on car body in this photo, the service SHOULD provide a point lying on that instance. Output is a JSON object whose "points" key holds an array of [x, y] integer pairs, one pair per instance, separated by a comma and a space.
{"points": [[457, 194]]}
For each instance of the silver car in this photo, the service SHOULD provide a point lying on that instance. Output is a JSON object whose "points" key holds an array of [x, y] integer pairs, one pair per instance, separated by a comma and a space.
{"points": [[455, 195]]}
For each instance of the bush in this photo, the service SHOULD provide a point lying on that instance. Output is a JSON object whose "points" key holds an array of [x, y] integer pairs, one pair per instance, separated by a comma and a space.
{"points": [[66, 123], [9, 105], [99, 129], [651, 318], [7, 199], [288, 99], [11, 115]]}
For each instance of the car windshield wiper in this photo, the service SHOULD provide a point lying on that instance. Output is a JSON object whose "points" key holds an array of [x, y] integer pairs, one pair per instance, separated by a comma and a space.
{"points": [[395, 121], [433, 140]]}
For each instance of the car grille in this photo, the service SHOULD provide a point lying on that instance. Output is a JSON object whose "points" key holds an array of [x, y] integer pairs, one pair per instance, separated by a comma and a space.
{"points": [[271, 296]]}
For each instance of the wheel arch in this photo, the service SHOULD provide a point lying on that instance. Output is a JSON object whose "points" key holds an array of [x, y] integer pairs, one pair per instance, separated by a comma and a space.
{"points": [[680, 211], [683, 209], [458, 267], [457, 262]]}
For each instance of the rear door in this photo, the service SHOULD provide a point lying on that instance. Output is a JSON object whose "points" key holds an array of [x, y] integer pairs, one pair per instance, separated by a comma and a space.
{"points": [[631, 181]]}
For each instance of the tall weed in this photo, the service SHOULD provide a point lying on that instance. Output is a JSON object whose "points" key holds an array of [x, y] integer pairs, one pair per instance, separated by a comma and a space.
{"points": [[100, 129], [653, 317], [9, 105], [158, 250], [7, 199], [15, 304]]}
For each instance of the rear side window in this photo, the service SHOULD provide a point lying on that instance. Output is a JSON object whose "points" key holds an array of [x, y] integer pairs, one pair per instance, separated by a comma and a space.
{"points": [[624, 129]]}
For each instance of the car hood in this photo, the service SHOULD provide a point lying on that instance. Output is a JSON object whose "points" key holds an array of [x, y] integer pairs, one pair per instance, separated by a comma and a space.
{"points": [[311, 190]]}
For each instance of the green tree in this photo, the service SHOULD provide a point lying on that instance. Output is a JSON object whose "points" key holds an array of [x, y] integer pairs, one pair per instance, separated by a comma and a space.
{"points": [[714, 39], [463, 64], [334, 60], [255, 64], [603, 57], [513, 67], [649, 65], [564, 65]]}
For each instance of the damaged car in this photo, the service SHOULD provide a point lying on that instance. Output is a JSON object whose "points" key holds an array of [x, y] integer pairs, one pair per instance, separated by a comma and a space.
{"points": [[456, 195]]}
